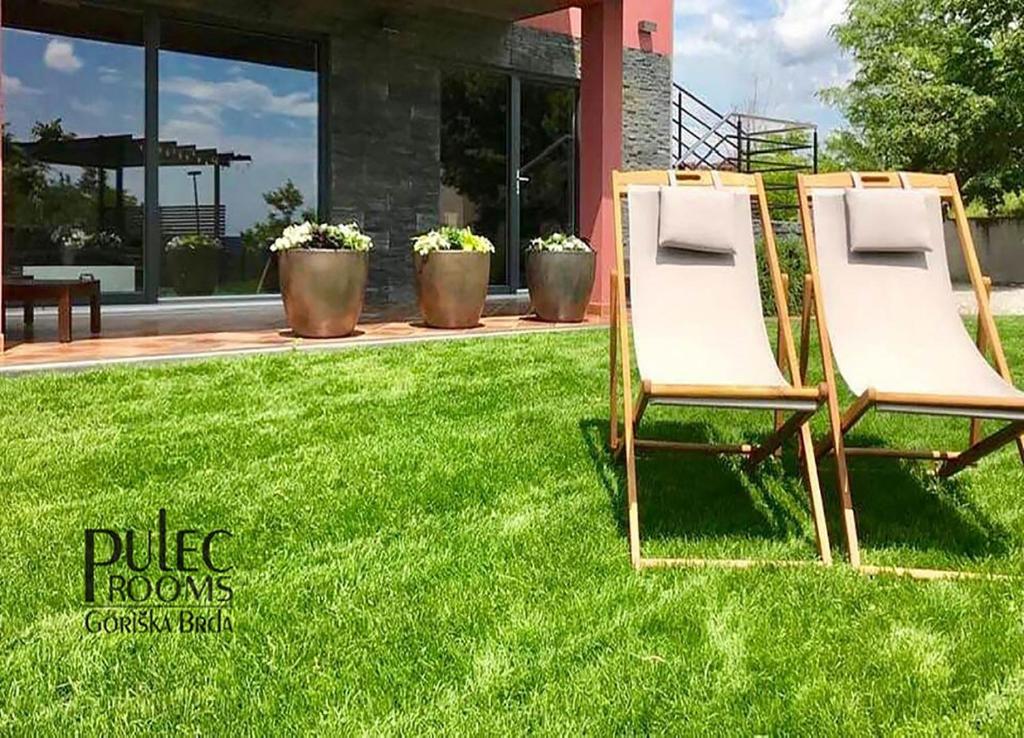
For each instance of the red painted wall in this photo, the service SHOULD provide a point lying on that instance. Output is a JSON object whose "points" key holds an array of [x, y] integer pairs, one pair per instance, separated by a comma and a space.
{"points": [[660, 11], [3, 113]]}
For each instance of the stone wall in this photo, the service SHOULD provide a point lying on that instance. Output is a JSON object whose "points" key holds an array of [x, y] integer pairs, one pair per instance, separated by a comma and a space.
{"points": [[999, 243], [646, 113], [384, 153], [1000, 246]]}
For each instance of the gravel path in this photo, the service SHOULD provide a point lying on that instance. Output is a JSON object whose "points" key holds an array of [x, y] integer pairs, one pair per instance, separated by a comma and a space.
{"points": [[1005, 300]]}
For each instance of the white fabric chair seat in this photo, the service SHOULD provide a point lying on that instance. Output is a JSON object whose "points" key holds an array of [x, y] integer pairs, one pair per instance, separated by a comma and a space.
{"points": [[892, 318], [698, 317]]}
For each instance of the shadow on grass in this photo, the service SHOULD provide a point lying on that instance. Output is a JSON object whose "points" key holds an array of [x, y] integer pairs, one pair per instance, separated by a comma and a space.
{"points": [[900, 505], [684, 495], [690, 495]]}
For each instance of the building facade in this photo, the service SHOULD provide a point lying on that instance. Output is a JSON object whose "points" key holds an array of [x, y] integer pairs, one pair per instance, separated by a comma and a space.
{"points": [[127, 124]]}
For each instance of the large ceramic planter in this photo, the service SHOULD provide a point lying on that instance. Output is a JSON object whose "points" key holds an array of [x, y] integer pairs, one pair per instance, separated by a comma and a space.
{"points": [[560, 284], [451, 287], [323, 290], [193, 271]]}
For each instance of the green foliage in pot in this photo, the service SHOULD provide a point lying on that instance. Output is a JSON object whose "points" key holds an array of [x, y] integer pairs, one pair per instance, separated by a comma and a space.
{"points": [[449, 238], [341, 237], [194, 242], [559, 242], [192, 263]]}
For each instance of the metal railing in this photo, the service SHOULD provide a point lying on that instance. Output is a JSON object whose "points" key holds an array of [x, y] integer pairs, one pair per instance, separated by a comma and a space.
{"points": [[706, 138]]}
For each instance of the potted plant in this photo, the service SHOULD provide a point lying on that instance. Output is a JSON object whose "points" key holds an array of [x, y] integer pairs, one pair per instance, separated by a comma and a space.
{"points": [[102, 247], [452, 270], [193, 262], [70, 239], [323, 271], [560, 275]]}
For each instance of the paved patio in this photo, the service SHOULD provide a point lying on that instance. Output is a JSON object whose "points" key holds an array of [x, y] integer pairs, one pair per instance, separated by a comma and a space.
{"points": [[192, 329], [186, 330]]}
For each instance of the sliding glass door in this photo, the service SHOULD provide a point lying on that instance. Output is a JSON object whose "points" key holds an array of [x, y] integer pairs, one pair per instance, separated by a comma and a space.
{"points": [[474, 159], [547, 169], [508, 162]]}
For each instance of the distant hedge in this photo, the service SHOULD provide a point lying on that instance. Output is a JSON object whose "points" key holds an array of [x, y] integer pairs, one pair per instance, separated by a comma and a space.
{"points": [[793, 260]]}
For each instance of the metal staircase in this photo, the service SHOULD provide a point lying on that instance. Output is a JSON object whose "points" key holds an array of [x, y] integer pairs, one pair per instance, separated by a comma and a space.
{"points": [[705, 138]]}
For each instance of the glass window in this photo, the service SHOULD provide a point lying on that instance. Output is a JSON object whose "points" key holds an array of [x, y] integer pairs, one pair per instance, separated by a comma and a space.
{"points": [[547, 162], [238, 152], [474, 141], [72, 144]]}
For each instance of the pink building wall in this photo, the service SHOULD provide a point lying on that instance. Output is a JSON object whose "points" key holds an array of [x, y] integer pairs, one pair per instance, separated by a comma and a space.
{"points": [[634, 11]]}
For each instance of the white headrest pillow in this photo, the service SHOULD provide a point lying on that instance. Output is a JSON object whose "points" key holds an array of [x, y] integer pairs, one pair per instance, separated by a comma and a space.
{"points": [[697, 219], [887, 220]]}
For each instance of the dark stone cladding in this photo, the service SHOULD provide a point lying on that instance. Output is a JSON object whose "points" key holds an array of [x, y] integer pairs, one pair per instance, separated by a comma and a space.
{"points": [[646, 110]]}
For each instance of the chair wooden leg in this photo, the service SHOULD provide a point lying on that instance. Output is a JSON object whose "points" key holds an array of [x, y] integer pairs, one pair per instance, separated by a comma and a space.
{"points": [[613, 369], [813, 483], [621, 344], [632, 502], [850, 418], [780, 417], [842, 472], [95, 319], [641, 408], [982, 448], [805, 326], [775, 441]]}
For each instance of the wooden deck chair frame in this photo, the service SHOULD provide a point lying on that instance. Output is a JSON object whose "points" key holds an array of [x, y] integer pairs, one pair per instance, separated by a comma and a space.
{"points": [[841, 423], [619, 366]]}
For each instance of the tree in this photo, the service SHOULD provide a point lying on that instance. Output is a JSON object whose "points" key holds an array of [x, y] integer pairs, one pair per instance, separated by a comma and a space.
{"points": [[284, 203], [939, 86], [40, 197], [473, 140], [51, 131]]}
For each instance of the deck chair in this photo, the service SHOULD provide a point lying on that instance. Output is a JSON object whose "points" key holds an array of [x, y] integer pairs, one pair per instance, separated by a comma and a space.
{"points": [[887, 318], [699, 332]]}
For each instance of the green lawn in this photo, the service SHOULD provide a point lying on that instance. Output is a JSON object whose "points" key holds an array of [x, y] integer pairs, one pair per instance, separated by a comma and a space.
{"points": [[430, 539]]}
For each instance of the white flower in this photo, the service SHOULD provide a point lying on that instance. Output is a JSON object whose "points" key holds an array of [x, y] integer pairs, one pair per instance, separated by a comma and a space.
{"points": [[70, 237], [193, 242], [451, 239], [308, 235], [432, 241], [293, 237], [347, 236], [559, 242]]}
